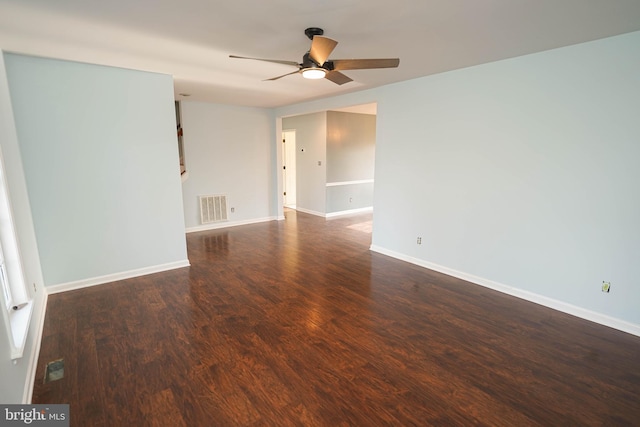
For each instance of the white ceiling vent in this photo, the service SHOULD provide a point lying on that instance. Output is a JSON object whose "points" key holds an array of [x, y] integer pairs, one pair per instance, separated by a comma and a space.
{"points": [[213, 209]]}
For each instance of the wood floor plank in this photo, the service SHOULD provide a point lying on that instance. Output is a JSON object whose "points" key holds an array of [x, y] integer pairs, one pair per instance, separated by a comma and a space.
{"points": [[297, 323], [160, 410]]}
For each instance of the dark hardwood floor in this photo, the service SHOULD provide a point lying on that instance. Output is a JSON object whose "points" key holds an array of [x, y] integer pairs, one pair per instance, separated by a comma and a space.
{"points": [[297, 323]]}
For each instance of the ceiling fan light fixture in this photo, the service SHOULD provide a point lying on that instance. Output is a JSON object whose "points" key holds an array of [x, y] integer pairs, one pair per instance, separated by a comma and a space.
{"points": [[314, 73]]}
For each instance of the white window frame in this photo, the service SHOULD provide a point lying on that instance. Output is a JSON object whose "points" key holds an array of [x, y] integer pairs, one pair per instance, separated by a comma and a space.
{"points": [[4, 282], [17, 305]]}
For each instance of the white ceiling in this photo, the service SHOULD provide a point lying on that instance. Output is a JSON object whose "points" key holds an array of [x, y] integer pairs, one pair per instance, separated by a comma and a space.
{"points": [[192, 39]]}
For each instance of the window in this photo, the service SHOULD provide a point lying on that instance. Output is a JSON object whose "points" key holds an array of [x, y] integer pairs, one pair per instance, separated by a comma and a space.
{"points": [[17, 306], [4, 282]]}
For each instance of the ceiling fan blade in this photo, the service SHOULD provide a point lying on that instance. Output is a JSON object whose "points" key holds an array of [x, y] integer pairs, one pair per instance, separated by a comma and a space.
{"points": [[279, 77], [277, 61], [321, 48], [338, 78], [363, 64]]}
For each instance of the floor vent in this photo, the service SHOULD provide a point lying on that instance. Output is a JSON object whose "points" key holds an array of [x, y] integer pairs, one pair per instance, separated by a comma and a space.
{"points": [[54, 371], [213, 209]]}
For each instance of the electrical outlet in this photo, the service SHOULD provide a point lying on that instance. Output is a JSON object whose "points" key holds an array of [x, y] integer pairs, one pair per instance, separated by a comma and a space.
{"points": [[419, 240], [606, 286], [234, 209]]}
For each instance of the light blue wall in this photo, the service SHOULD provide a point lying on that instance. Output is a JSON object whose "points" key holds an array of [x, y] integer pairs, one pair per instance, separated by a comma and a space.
{"points": [[100, 157], [344, 198], [228, 151], [311, 148], [523, 172], [344, 145], [351, 146], [351, 149]]}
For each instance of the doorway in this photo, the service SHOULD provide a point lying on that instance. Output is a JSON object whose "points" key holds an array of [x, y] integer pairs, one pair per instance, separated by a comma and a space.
{"points": [[289, 168]]}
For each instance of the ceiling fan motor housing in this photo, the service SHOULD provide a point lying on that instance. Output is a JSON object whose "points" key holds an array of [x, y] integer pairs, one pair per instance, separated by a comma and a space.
{"points": [[313, 31], [307, 62]]}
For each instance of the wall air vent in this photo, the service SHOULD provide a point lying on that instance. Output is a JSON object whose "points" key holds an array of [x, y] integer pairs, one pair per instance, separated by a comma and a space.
{"points": [[213, 209]]}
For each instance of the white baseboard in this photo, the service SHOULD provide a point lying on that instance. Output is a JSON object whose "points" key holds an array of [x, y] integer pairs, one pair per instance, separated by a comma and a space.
{"points": [[336, 214], [349, 212], [310, 212], [564, 307], [36, 341], [63, 287], [226, 224]]}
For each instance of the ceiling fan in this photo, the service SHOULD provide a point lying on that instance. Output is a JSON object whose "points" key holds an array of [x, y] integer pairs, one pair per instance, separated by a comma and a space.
{"points": [[316, 64]]}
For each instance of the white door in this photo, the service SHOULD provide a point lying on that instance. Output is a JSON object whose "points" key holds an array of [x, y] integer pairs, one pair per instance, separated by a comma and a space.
{"points": [[289, 167]]}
